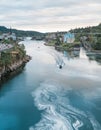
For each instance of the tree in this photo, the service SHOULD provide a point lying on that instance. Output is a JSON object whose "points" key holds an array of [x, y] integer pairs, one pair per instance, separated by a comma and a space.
{"points": [[98, 44], [5, 60]]}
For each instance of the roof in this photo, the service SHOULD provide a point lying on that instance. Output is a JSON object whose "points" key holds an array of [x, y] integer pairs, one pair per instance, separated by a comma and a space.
{"points": [[14, 52]]}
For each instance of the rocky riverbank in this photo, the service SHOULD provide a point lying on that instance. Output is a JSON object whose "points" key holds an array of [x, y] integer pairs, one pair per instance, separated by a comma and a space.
{"points": [[10, 70]]}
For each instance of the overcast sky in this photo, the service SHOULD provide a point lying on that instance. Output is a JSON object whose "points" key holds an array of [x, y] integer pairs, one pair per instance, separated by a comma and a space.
{"points": [[49, 15]]}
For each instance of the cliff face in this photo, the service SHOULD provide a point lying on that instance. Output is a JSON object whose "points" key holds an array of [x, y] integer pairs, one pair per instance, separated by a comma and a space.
{"points": [[12, 55], [6, 71]]}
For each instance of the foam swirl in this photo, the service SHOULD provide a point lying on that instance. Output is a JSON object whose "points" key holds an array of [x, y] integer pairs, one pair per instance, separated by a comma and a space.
{"points": [[58, 113]]}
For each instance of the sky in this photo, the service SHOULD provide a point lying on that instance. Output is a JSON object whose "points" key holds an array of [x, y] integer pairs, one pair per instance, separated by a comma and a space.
{"points": [[49, 15]]}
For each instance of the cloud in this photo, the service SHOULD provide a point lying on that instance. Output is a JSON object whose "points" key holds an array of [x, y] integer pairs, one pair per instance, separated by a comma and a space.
{"points": [[49, 15]]}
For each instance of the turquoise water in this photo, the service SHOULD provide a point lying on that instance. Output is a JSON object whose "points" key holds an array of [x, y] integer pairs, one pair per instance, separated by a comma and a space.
{"points": [[44, 97]]}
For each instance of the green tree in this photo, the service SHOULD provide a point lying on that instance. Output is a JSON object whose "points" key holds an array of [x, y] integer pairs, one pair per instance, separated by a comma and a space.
{"points": [[6, 59], [98, 44]]}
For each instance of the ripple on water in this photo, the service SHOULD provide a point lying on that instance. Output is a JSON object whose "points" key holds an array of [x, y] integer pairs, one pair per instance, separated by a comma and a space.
{"points": [[58, 113]]}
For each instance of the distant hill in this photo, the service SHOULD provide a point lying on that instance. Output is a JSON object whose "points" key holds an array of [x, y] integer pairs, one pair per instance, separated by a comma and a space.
{"points": [[92, 29], [20, 33]]}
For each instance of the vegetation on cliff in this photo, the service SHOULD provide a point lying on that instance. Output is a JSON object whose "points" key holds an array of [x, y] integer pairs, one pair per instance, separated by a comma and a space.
{"points": [[12, 58]]}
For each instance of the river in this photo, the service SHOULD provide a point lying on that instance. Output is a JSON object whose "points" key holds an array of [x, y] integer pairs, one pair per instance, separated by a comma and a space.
{"points": [[45, 97]]}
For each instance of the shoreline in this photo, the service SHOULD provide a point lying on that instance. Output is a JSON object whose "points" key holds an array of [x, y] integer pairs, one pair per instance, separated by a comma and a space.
{"points": [[13, 69], [60, 48]]}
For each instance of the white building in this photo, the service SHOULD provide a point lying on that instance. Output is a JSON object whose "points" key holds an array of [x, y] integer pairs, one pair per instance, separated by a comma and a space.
{"points": [[8, 36], [12, 36]]}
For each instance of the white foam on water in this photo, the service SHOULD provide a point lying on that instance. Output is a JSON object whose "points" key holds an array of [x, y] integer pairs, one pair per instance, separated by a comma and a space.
{"points": [[77, 124], [58, 113], [58, 57], [95, 124], [51, 120], [50, 97]]}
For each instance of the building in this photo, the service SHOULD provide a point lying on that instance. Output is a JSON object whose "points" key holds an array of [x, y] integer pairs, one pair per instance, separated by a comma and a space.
{"points": [[7, 36], [68, 37], [12, 36], [51, 36], [5, 47]]}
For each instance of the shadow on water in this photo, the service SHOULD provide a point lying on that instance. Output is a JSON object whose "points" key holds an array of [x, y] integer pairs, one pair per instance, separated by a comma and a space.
{"points": [[11, 75], [17, 109]]}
